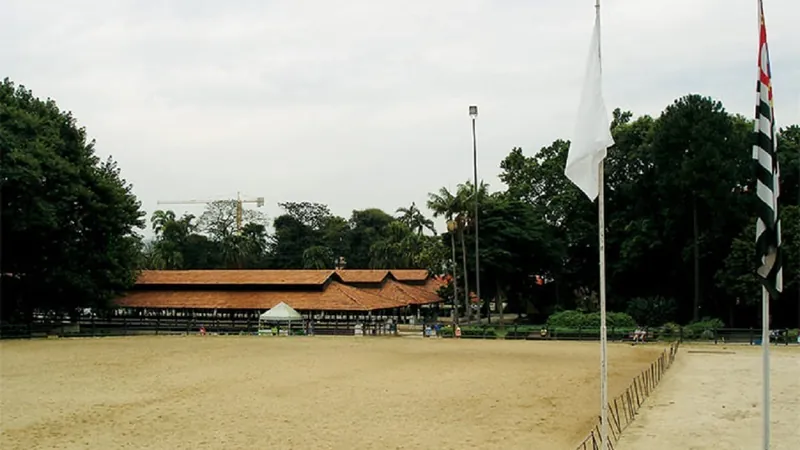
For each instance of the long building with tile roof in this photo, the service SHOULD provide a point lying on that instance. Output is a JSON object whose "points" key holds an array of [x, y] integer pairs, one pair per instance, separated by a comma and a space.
{"points": [[340, 291]]}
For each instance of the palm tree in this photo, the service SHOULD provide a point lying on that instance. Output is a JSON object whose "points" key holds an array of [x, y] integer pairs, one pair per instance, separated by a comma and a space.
{"points": [[160, 219], [414, 219], [466, 192], [465, 195], [398, 249], [444, 203]]}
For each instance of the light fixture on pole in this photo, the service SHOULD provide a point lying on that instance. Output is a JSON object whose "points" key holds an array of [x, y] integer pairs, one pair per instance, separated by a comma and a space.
{"points": [[473, 113]]}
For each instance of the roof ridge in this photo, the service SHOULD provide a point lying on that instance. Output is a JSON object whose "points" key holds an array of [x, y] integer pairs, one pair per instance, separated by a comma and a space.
{"points": [[414, 292], [347, 294]]}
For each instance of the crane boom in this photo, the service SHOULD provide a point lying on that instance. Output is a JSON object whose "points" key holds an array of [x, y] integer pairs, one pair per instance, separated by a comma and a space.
{"points": [[259, 201]]}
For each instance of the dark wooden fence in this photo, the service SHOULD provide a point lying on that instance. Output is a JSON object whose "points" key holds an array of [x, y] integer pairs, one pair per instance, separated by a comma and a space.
{"points": [[623, 409], [171, 325]]}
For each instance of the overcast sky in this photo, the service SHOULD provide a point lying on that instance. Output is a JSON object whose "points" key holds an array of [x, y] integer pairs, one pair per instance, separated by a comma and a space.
{"points": [[364, 103]]}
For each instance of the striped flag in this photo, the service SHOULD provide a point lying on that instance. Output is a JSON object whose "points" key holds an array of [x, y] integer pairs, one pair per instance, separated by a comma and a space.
{"points": [[768, 228]]}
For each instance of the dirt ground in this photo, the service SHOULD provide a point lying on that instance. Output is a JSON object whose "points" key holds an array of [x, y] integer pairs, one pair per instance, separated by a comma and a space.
{"points": [[713, 400], [303, 393]]}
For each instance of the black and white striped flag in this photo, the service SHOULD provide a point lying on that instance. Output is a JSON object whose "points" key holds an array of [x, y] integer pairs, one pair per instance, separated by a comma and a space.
{"points": [[768, 227]]}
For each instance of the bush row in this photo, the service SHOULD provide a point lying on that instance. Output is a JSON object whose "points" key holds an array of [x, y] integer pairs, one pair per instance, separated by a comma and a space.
{"points": [[577, 319]]}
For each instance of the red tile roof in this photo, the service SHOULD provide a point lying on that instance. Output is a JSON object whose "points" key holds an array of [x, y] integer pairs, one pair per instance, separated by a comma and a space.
{"points": [[362, 276], [406, 294], [275, 277], [336, 297], [410, 274], [435, 283], [212, 277]]}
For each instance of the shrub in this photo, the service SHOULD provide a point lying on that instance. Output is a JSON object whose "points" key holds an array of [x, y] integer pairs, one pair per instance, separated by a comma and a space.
{"points": [[566, 319], [577, 319], [793, 335], [704, 329], [478, 331], [671, 329]]}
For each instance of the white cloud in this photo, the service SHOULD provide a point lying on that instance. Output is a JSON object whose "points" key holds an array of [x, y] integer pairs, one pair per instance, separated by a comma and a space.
{"points": [[364, 103]]}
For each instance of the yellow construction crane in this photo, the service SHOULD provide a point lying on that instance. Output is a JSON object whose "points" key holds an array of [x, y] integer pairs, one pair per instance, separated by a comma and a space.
{"points": [[259, 201]]}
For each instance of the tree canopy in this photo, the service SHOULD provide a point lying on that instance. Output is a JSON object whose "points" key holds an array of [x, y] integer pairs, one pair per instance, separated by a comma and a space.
{"points": [[68, 218]]}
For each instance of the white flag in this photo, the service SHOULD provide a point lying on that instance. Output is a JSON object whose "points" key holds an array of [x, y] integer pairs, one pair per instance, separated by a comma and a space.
{"points": [[592, 134]]}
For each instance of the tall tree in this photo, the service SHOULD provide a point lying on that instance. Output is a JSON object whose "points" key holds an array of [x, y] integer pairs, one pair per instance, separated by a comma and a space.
{"points": [[453, 206], [68, 218], [698, 157], [445, 204], [307, 236], [413, 218], [367, 226]]}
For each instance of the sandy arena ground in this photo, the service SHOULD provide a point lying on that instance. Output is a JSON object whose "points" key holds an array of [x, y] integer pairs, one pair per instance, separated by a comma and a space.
{"points": [[303, 393], [713, 401]]}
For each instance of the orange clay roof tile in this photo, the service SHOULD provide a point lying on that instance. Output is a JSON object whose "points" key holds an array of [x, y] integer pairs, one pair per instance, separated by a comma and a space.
{"points": [[408, 295], [336, 297], [255, 277], [410, 274], [362, 276]]}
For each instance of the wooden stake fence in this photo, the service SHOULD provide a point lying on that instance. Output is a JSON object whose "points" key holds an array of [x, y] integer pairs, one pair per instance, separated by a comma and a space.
{"points": [[623, 409]]}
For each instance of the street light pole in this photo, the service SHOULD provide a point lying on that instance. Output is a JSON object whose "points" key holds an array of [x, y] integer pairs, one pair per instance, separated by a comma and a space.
{"points": [[473, 113], [451, 228]]}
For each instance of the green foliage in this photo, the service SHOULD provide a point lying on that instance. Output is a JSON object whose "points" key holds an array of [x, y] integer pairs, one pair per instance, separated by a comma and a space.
{"points": [[651, 311], [479, 331], [702, 329], [307, 236], [68, 218], [447, 331], [691, 162], [577, 319], [413, 218], [671, 330]]}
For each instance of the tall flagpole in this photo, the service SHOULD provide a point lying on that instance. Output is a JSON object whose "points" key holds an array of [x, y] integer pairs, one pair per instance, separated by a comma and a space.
{"points": [[768, 238], [765, 416], [601, 218], [765, 364], [587, 150]]}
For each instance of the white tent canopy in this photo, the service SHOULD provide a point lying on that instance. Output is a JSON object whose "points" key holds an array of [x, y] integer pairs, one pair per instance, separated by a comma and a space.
{"points": [[281, 313]]}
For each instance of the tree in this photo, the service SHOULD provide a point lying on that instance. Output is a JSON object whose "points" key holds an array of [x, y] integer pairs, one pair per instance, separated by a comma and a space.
{"points": [[789, 158], [318, 257], [306, 236], [367, 226], [515, 245], [312, 215], [453, 208], [68, 219], [701, 155], [540, 182], [413, 218], [402, 248], [445, 204], [218, 221]]}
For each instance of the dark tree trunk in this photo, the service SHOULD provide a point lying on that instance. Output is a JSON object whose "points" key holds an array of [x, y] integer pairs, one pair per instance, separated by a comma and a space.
{"points": [[696, 231], [466, 274]]}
